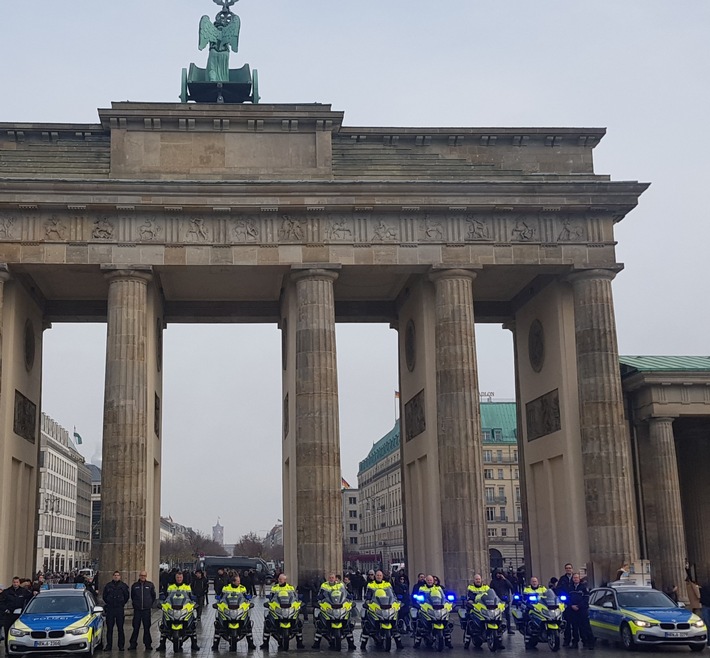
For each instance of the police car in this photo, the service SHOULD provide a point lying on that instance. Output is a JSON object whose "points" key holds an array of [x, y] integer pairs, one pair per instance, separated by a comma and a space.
{"points": [[58, 620], [636, 615]]}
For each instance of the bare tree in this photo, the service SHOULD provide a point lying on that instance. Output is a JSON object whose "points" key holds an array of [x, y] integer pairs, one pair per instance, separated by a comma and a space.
{"points": [[249, 545]]}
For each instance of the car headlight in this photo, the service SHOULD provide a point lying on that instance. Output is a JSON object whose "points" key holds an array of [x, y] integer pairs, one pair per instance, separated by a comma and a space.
{"points": [[82, 630], [16, 632], [644, 624], [699, 624]]}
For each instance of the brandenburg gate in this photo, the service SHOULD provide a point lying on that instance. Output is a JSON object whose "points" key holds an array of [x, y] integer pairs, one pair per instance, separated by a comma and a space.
{"points": [[173, 212]]}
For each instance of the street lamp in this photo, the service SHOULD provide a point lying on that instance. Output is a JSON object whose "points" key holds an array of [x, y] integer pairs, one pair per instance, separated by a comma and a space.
{"points": [[52, 507]]}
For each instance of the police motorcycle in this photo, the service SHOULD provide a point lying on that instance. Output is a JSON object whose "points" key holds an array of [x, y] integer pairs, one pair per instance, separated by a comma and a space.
{"points": [[178, 623], [283, 617], [232, 622], [379, 619], [539, 618], [334, 617], [482, 620], [431, 619]]}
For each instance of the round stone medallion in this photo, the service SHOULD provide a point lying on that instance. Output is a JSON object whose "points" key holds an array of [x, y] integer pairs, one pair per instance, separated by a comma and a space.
{"points": [[410, 350], [30, 346], [536, 345]]}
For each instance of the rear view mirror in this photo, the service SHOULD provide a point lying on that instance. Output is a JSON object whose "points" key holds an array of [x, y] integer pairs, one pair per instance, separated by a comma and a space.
{"points": [[97, 609]]}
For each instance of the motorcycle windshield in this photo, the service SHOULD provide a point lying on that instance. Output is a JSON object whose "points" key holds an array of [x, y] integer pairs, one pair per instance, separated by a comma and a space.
{"points": [[177, 600], [550, 599], [384, 597], [490, 600], [286, 599], [336, 596], [234, 600]]}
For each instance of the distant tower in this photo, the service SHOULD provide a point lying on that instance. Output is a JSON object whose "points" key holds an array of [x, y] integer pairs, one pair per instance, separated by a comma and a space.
{"points": [[218, 533]]}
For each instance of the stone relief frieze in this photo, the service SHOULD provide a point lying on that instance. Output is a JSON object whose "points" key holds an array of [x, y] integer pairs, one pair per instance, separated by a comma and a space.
{"points": [[149, 230], [523, 231], [7, 227], [434, 230], [339, 230], [103, 229], [542, 415], [414, 416], [55, 228], [246, 230], [384, 232], [197, 230], [291, 229], [25, 417], [572, 231], [477, 229]]}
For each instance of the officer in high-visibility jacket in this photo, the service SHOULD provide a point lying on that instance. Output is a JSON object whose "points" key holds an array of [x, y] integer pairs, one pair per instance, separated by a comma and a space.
{"points": [[331, 585], [280, 586], [179, 586], [234, 590]]}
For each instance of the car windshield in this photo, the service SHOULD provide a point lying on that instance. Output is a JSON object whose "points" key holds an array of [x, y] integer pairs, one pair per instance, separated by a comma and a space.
{"points": [[52, 605], [646, 599]]}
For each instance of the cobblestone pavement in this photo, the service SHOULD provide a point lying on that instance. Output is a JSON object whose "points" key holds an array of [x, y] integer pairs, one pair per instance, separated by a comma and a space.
{"points": [[513, 643]]}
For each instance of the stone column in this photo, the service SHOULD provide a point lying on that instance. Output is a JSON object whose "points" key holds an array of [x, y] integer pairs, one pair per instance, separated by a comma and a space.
{"points": [[319, 518], [463, 513], [606, 459], [672, 551], [4, 276], [124, 467]]}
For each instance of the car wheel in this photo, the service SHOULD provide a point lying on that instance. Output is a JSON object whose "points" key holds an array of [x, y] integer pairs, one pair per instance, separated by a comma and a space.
{"points": [[627, 638]]}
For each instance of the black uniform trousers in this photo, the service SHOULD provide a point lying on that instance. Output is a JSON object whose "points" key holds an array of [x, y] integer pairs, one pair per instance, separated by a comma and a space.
{"points": [[115, 617], [141, 617]]}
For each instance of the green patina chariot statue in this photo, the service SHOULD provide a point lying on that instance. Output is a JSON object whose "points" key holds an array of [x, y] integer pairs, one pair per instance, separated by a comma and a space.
{"points": [[218, 83]]}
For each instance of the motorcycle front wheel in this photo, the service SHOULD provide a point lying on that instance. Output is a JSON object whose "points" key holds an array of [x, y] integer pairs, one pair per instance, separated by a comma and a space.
{"points": [[233, 642], [439, 642], [553, 640], [176, 642], [493, 640], [337, 640], [285, 639], [386, 641]]}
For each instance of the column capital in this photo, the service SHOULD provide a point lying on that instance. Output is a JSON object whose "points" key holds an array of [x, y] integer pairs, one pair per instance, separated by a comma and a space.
{"points": [[4, 272], [607, 274], [661, 419], [438, 273], [135, 272], [509, 325], [315, 272]]}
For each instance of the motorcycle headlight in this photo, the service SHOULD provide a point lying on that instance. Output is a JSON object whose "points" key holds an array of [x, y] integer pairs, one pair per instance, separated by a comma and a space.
{"points": [[82, 630], [16, 632]]}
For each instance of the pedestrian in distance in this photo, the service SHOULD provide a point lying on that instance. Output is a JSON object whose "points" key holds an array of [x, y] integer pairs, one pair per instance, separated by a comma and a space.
{"points": [[199, 587], [115, 595], [504, 589], [13, 598], [142, 597]]}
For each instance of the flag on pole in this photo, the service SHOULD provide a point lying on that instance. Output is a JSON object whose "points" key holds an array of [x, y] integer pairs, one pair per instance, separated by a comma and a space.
{"points": [[77, 437]]}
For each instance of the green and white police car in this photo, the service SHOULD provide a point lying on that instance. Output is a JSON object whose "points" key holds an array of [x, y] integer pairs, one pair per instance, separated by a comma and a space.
{"points": [[58, 620], [635, 615]]}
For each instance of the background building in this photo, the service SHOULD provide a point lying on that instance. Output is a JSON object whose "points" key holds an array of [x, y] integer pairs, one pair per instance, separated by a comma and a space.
{"points": [[351, 525], [64, 537], [381, 542], [218, 533], [95, 513], [380, 504]]}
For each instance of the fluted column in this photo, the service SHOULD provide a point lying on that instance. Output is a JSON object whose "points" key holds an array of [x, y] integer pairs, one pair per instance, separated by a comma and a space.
{"points": [[124, 467], [463, 514], [606, 459], [670, 567], [319, 517], [4, 276]]}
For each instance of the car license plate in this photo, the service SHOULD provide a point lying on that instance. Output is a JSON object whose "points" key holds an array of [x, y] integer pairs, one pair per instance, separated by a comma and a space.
{"points": [[675, 634], [47, 643]]}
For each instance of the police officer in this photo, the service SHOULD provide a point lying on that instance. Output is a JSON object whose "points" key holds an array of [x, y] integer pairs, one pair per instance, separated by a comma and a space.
{"points": [[142, 597], [378, 583], [533, 589], [476, 588], [331, 585], [281, 586], [430, 587], [179, 586], [115, 595], [577, 615], [234, 590], [13, 598]]}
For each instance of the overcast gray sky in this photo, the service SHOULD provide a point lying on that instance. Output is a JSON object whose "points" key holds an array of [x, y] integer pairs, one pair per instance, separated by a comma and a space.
{"points": [[638, 67]]}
